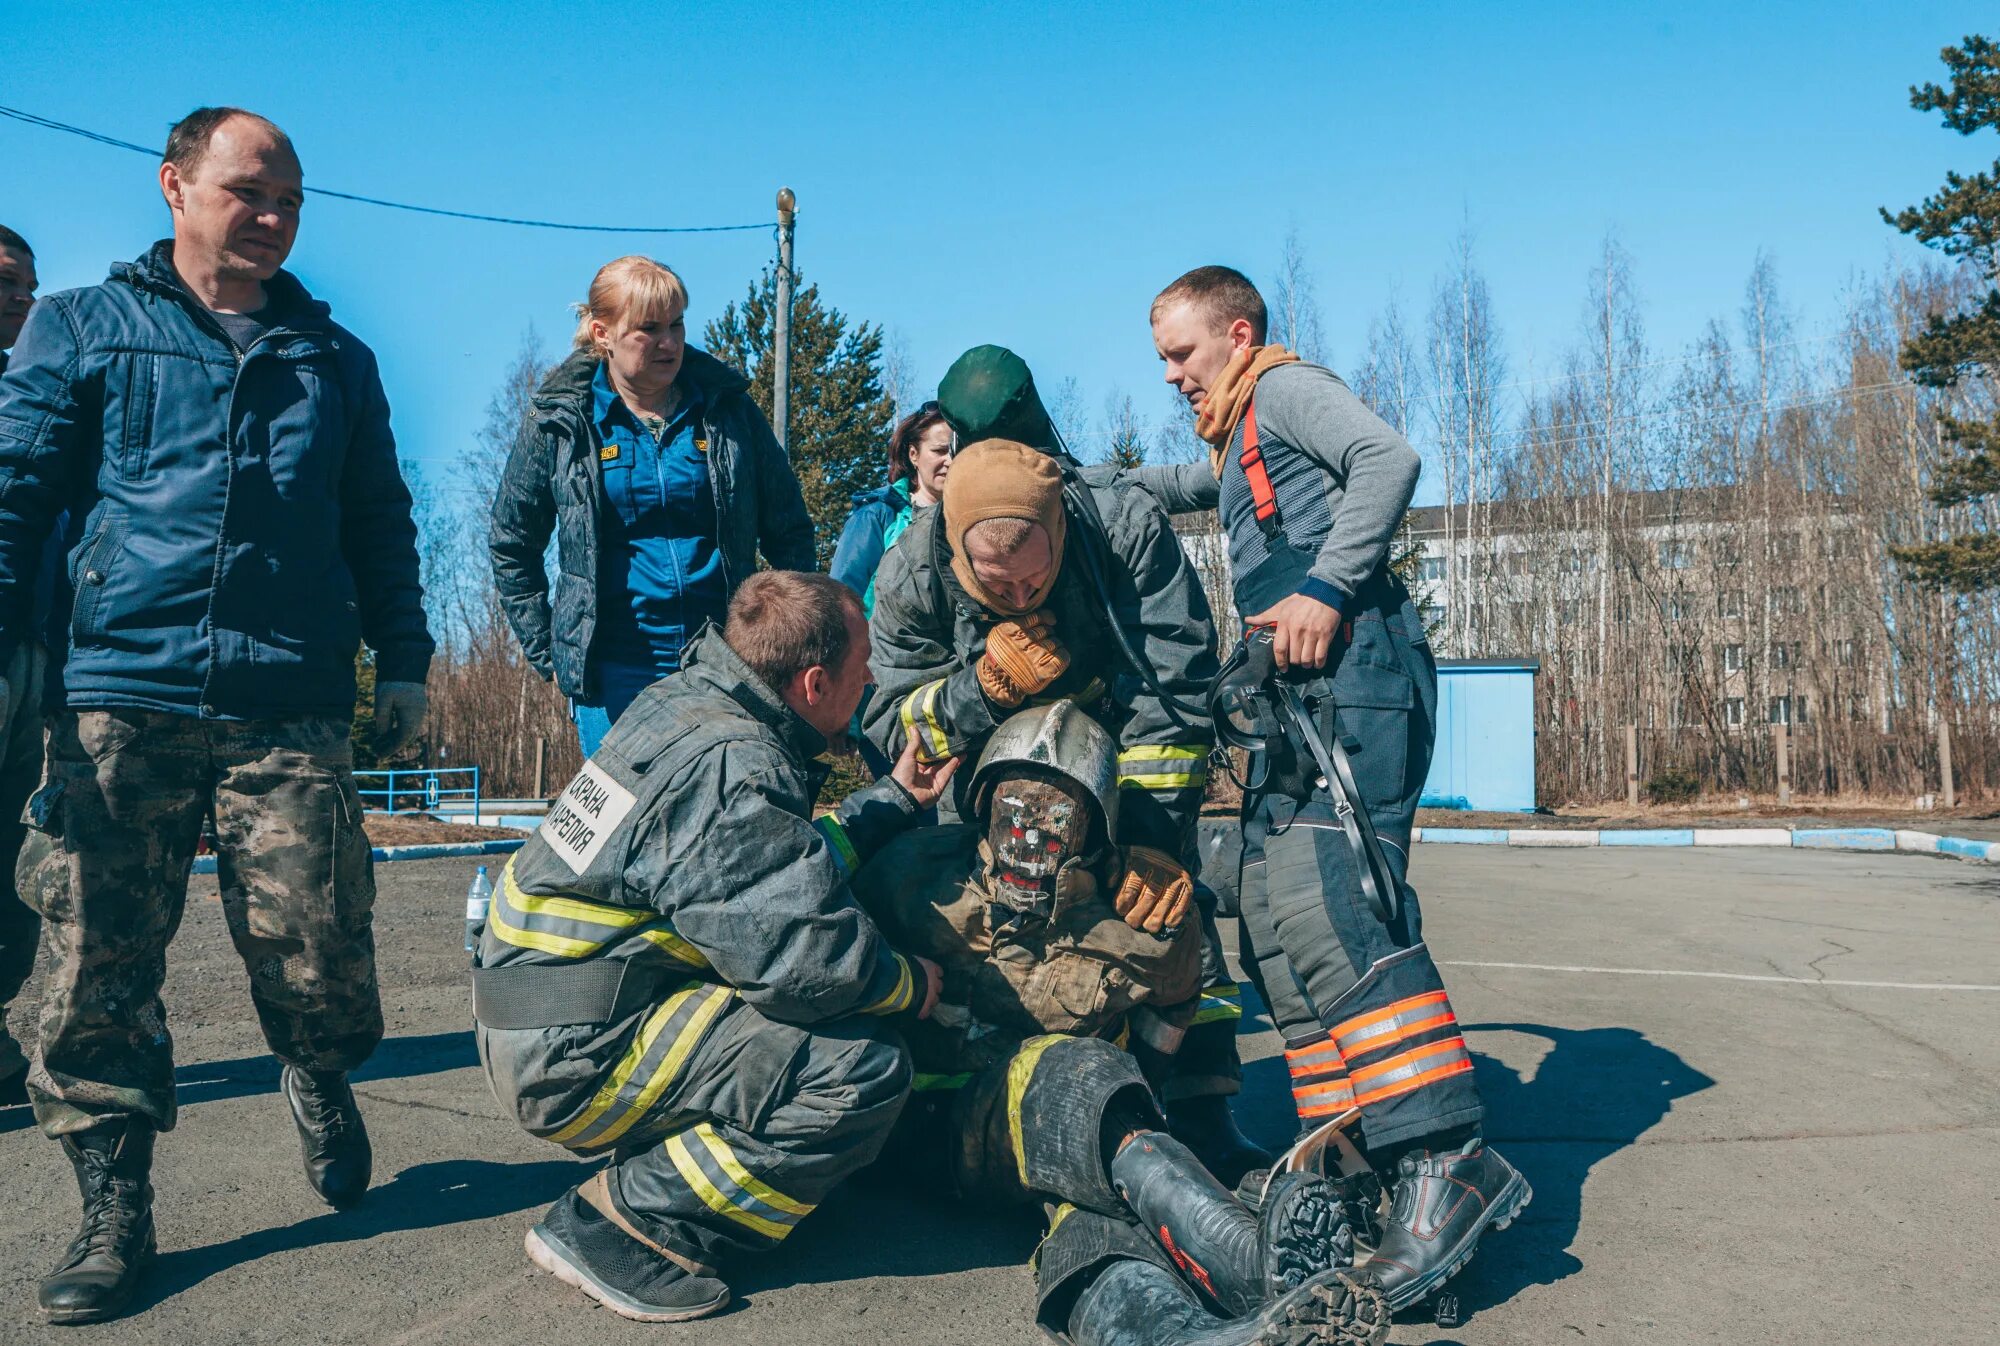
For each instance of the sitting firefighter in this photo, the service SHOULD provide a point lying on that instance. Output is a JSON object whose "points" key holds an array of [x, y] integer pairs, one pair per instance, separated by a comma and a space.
{"points": [[1057, 1020], [674, 975], [1036, 578]]}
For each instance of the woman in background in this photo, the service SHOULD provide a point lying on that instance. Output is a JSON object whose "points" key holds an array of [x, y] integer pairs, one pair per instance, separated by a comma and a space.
{"points": [[919, 458], [660, 479]]}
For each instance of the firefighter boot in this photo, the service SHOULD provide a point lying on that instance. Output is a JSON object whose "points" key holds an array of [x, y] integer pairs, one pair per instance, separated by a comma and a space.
{"points": [[98, 1273], [580, 1246], [1440, 1202], [1207, 1126], [1134, 1303], [337, 1154], [13, 1068], [1242, 1259]]}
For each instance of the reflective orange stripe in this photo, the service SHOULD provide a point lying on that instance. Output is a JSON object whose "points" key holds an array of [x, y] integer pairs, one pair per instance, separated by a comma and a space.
{"points": [[1331, 1089], [1409, 1058], [1414, 1082], [1325, 1109], [1296, 1059], [1355, 1025]]}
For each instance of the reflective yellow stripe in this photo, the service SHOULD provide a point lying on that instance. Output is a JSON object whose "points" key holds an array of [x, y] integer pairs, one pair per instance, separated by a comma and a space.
{"points": [[829, 827], [901, 995], [1218, 1003], [570, 909], [562, 946], [926, 1084], [677, 1056], [712, 1197], [635, 1055], [666, 938], [933, 744], [1152, 766], [1020, 1070], [744, 1178]]}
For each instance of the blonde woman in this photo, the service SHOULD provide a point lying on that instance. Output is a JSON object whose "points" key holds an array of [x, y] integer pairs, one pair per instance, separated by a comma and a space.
{"points": [[661, 481]]}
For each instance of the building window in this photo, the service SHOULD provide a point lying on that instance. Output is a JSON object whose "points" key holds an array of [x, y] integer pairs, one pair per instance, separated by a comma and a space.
{"points": [[1569, 611], [1786, 710], [1433, 568], [1857, 707], [1786, 598], [1785, 547], [1728, 551], [1673, 555], [1732, 712], [1729, 603], [1785, 655], [1844, 653], [1732, 660]]}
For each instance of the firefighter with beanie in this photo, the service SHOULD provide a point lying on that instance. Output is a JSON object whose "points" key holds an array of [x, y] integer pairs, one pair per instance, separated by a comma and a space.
{"points": [[1313, 487], [1035, 1073], [1035, 580], [675, 977]]}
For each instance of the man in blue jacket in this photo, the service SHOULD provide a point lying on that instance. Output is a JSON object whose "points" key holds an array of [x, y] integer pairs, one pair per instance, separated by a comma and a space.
{"points": [[238, 525]]}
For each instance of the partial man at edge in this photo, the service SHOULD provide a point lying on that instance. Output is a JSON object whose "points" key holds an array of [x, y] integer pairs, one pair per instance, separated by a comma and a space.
{"points": [[238, 525]]}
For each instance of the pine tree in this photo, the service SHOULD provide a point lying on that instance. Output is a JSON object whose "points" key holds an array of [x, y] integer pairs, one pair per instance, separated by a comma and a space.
{"points": [[841, 414], [1962, 220], [1127, 436]]}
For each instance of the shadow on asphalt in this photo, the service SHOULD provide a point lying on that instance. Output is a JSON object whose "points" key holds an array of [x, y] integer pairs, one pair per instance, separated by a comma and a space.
{"points": [[1595, 1093], [423, 1196], [213, 1081]]}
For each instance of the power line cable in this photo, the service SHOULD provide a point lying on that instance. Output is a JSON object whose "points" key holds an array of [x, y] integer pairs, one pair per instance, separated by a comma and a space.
{"points": [[48, 123]]}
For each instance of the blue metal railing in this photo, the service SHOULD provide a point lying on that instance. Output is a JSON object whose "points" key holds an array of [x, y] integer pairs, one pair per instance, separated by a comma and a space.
{"points": [[411, 790]]}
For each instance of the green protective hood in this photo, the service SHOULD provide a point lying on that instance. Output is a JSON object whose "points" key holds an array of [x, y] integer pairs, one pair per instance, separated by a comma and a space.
{"points": [[988, 393]]}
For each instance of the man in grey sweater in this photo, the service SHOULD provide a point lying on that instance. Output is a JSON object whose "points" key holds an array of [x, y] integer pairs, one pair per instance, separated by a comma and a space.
{"points": [[1313, 486]]}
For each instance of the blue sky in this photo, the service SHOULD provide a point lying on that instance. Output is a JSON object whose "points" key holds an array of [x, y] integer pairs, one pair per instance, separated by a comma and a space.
{"points": [[1023, 174]]}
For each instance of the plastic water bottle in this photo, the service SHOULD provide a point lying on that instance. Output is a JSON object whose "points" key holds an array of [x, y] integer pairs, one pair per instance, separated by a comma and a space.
{"points": [[477, 899]]}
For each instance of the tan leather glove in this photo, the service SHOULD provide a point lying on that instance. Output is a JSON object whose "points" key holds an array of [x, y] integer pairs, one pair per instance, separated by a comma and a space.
{"points": [[1155, 892], [1021, 659]]}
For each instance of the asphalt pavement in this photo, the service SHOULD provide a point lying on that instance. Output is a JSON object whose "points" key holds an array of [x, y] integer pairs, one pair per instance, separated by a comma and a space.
{"points": [[1755, 1099]]}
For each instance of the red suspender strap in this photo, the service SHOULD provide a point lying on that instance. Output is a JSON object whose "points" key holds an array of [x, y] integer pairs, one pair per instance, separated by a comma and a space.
{"points": [[1252, 459]]}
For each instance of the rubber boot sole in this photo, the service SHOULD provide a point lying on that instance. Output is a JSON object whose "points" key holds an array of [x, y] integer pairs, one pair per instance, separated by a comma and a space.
{"points": [[103, 1313], [1506, 1207], [1331, 1309], [1303, 1231], [549, 1253]]}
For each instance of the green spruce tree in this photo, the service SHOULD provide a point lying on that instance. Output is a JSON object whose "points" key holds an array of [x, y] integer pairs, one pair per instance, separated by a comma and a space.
{"points": [[841, 413], [1962, 220]]}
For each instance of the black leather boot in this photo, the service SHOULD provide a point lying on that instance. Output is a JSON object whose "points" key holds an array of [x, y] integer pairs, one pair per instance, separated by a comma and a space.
{"points": [[1207, 1126], [337, 1154], [105, 1261], [580, 1246], [1242, 1259], [1133, 1303], [1440, 1203], [13, 1068]]}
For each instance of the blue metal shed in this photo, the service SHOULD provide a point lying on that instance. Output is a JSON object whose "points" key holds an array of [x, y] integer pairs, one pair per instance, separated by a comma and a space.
{"points": [[1485, 755]]}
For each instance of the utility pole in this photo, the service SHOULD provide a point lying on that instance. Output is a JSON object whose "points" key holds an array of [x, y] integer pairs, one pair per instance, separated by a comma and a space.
{"points": [[1632, 766], [781, 324], [1949, 792], [1781, 747]]}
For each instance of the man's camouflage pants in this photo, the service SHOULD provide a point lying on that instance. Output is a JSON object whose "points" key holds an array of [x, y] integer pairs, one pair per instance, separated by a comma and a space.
{"points": [[112, 837], [20, 773]]}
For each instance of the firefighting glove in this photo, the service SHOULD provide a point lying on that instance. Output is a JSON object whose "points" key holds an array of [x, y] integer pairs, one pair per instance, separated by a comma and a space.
{"points": [[1021, 659], [1155, 892], [399, 715]]}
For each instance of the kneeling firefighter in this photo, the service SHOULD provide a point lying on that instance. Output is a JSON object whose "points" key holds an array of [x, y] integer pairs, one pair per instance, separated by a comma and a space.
{"points": [[1036, 1072], [1037, 579], [674, 975], [1336, 697]]}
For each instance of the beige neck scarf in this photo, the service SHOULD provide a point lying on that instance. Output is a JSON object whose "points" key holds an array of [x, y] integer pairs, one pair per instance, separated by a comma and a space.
{"points": [[1226, 402]]}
